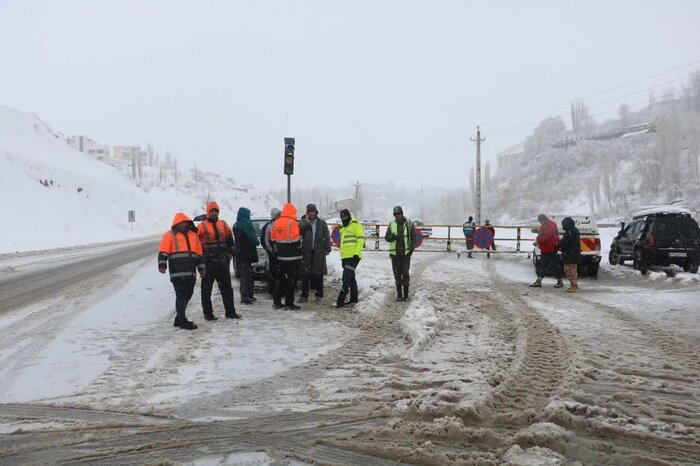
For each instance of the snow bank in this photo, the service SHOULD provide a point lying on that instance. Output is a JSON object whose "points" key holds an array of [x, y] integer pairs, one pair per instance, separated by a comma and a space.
{"points": [[57, 196]]}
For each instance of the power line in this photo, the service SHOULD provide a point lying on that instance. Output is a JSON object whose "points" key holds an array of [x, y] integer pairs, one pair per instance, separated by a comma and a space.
{"points": [[592, 95]]}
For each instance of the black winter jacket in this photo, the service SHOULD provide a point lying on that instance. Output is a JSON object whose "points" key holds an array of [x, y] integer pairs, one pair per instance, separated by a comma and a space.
{"points": [[570, 243]]}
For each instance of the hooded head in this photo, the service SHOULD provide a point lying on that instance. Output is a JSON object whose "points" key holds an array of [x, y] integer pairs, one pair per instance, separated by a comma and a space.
{"points": [[288, 210], [243, 214], [212, 205], [345, 217], [568, 223], [274, 213], [542, 218], [470, 219], [181, 218], [487, 222], [311, 211], [213, 211]]}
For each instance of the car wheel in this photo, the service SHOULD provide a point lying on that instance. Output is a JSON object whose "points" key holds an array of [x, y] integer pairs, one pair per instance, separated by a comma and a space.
{"points": [[694, 267], [686, 267], [614, 257], [593, 271]]}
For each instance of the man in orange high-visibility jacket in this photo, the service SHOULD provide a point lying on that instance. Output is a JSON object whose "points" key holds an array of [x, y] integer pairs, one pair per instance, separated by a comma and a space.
{"points": [[286, 243], [217, 243], [181, 252]]}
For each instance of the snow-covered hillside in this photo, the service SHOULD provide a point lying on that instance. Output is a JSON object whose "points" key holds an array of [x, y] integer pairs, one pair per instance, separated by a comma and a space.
{"points": [[649, 156], [53, 196]]}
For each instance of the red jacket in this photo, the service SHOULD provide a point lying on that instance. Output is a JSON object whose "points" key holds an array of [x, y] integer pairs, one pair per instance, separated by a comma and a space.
{"points": [[548, 237]]}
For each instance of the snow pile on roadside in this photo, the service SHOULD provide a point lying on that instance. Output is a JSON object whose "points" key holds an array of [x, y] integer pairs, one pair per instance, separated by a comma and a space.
{"points": [[535, 456], [419, 324]]}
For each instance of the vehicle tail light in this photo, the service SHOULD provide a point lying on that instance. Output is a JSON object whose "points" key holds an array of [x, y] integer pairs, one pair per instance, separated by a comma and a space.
{"points": [[650, 241], [597, 244]]}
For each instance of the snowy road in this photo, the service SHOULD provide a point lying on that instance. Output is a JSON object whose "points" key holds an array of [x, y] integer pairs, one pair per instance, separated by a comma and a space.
{"points": [[476, 369], [31, 277]]}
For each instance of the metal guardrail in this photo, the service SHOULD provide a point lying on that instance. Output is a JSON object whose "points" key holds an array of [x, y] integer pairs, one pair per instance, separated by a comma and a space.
{"points": [[450, 239]]}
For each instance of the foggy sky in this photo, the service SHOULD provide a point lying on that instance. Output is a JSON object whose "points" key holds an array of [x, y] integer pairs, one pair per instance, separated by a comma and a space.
{"points": [[372, 90]]}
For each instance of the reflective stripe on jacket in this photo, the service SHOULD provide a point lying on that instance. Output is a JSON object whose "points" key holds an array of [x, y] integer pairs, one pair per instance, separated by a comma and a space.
{"points": [[408, 234], [181, 253], [352, 239], [215, 236], [285, 235]]}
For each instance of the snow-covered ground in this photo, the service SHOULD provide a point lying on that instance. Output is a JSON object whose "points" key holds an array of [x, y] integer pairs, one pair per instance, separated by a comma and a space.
{"points": [[476, 367]]}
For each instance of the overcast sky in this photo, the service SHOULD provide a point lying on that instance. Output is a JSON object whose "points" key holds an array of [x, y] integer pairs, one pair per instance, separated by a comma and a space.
{"points": [[372, 90]]}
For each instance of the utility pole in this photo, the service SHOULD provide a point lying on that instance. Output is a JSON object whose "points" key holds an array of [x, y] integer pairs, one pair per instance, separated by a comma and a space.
{"points": [[478, 141]]}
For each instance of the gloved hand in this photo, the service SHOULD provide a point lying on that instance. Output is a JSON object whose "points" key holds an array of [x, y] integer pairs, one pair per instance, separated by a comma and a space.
{"points": [[202, 273], [161, 269], [356, 257]]}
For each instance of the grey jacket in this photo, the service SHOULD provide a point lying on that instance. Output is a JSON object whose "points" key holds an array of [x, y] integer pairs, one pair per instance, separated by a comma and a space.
{"points": [[314, 260]]}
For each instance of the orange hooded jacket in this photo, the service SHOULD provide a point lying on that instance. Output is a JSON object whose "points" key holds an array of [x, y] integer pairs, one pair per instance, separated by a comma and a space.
{"points": [[181, 252], [284, 235]]}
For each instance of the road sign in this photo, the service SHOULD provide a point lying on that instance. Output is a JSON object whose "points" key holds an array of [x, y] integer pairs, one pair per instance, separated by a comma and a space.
{"points": [[132, 216], [419, 237], [483, 238]]}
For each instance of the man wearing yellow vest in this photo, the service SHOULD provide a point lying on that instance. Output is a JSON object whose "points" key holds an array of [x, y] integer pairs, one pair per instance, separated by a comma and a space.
{"points": [[401, 235], [352, 241]]}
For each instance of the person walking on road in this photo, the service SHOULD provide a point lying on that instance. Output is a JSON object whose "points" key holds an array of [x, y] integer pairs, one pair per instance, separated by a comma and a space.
{"points": [[181, 252], [468, 230], [246, 253], [316, 243], [217, 243], [570, 245], [489, 227], [352, 241], [286, 241], [548, 242], [266, 242], [401, 235]]}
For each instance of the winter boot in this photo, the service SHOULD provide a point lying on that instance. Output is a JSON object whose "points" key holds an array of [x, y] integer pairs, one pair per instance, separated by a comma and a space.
{"points": [[303, 299], [405, 293], [353, 296], [188, 325], [469, 255], [177, 322], [233, 315], [398, 292], [210, 317], [340, 302], [318, 299], [277, 305], [560, 283], [573, 288], [291, 307], [537, 283]]}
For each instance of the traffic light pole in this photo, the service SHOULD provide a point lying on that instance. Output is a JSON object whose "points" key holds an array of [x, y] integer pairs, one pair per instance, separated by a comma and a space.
{"points": [[289, 189]]}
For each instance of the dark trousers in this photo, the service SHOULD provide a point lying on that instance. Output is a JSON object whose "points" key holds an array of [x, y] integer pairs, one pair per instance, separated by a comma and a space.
{"points": [[246, 279], [220, 273], [184, 289], [349, 280], [470, 242], [401, 265], [273, 276], [287, 278], [549, 263], [314, 282]]}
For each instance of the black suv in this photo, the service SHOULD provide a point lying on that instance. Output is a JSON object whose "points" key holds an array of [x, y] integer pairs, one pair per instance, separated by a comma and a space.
{"points": [[658, 239]]}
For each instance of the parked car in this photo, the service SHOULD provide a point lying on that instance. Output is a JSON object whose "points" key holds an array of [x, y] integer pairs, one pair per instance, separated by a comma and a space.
{"points": [[590, 244], [261, 268], [426, 232], [658, 237]]}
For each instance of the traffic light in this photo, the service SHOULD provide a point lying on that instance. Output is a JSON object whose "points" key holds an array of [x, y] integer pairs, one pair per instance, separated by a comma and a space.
{"points": [[288, 156]]}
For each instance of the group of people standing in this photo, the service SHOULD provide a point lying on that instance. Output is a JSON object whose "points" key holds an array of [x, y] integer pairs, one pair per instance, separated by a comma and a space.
{"points": [[296, 248], [550, 244]]}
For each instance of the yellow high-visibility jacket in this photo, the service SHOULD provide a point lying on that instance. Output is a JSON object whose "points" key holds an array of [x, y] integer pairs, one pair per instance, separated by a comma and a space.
{"points": [[352, 239]]}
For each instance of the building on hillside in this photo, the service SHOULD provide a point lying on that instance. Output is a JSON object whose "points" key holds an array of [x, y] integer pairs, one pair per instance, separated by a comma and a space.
{"points": [[129, 153], [510, 157], [88, 146], [348, 203]]}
